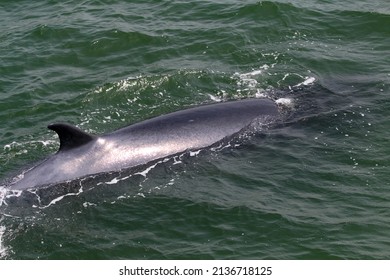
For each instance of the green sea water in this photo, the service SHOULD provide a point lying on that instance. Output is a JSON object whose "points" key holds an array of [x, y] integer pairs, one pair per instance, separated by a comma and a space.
{"points": [[316, 186]]}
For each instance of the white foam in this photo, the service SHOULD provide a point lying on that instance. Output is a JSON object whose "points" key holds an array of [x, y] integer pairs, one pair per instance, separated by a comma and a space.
{"points": [[195, 153], [9, 146], [87, 204], [250, 74], [147, 170], [54, 201], [14, 144], [306, 82], [113, 181], [249, 83], [215, 98], [254, 72], [7, 193], [287, 102], [3, 249], [177, 160], [3, 192], [142, 173]]}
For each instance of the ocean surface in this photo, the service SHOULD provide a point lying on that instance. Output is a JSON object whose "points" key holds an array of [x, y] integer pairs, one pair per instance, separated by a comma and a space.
{"points": [[315, 185]]}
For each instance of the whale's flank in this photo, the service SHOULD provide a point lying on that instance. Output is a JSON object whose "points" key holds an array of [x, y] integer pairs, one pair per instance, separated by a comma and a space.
{"points": [[81, 154]]}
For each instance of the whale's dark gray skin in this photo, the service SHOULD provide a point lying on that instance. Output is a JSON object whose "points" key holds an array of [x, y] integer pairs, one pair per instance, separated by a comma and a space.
{"points": [[82, 154]]}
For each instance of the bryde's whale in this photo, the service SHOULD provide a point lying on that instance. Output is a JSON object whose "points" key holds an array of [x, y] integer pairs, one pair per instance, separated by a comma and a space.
{"points": [[81, 154]]}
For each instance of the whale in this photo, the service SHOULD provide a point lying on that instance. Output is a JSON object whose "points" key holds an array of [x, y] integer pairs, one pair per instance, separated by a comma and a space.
{"points": [[81, 154]]}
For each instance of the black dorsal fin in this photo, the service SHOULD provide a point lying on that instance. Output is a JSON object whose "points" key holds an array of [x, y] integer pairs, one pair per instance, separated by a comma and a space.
{"points": [[70, 136]]}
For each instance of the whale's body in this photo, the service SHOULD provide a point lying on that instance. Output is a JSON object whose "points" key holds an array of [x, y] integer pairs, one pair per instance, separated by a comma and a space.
{"points": [[82, 154]]}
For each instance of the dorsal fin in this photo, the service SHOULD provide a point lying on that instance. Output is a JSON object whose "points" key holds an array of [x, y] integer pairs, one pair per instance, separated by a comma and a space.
{"points": [[70, 136]]}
